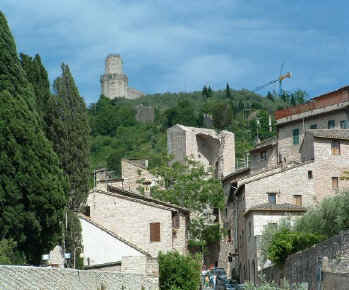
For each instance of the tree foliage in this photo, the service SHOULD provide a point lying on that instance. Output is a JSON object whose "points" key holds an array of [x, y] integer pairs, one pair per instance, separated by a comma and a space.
{"points": [[286, 242], [32, 184], [319, 223], [72, 146], [178, 272]]}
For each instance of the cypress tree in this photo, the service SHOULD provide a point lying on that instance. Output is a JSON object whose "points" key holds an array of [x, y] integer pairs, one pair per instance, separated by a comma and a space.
{"points": [[32, 185], [72, 145], [38, 77]]}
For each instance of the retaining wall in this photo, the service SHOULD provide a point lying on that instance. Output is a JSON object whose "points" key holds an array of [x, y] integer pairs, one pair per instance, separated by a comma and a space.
{"points": [[30, 278]]}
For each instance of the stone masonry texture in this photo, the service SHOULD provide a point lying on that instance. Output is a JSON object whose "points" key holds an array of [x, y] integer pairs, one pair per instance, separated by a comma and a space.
{"points": [[30, 278], [305, 266], [131, 219], [114, 82]]}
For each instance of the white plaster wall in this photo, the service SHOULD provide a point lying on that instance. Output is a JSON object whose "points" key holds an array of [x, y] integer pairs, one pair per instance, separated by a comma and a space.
{"points": [[101, 247]]}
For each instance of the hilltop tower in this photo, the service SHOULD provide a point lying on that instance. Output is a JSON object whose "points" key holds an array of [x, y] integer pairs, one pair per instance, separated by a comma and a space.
{"points": [[114, 82]]}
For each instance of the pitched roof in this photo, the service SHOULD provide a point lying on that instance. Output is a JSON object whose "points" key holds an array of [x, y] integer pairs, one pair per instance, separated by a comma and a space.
{"points": [[141, 198], [265, 143], [342, 134], [236, 172], [98, 266], [277, 207], [331, 98], [141, 163], [114, 235]]}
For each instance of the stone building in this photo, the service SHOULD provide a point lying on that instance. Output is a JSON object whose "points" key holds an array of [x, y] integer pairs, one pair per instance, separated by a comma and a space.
{"points": [[114, 82], [135, 177], [212, 149], [294, 170], [124, 230]]}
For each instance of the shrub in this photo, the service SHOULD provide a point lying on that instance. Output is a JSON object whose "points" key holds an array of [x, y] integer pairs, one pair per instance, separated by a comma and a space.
{"points": [[287, 242], [178, 272]]}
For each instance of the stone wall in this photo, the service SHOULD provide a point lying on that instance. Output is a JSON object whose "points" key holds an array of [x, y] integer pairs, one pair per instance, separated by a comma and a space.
{"points": [[30, 278], [130, 218], [114, 82], [145, 114], [306, 266], [290, 151], [134, 173], [211, 149]]}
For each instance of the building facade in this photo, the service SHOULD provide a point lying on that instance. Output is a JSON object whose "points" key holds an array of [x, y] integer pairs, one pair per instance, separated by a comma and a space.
{"points": [[297, 169], [124, 230]]}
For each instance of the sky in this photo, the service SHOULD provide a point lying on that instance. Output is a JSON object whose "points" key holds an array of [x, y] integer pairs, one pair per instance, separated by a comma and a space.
{"points": [[180, 46]]}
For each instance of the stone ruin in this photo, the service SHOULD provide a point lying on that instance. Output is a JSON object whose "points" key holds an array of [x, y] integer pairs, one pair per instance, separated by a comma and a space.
{"points": [[114, 82]]}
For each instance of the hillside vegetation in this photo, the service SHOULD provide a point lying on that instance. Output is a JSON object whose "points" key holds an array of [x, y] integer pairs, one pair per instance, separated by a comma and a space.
{"points": [[116, 134]]}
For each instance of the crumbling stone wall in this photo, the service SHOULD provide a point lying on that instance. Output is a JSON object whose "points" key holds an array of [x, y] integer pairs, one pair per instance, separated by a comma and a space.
{"points": [[307, 266], [30, 278], [212, 149], [145, 114]]}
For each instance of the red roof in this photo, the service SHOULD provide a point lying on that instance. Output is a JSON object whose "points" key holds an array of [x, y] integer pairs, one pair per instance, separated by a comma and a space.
{"points": [[336, 97]]}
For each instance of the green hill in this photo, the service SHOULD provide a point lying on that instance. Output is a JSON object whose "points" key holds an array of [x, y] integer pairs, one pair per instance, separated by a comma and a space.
{"points": [[116, 134]]}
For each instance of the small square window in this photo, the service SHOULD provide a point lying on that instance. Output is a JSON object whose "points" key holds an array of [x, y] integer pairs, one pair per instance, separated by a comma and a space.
{"points": [[272, 197], [344, 124], [263, 155], [331, 124], [313, 126], [295, 134], [335, 147], [310, 174], [335, 183]]}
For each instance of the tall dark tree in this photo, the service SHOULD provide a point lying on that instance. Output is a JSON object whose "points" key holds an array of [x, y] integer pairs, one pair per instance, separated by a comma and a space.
{"points": [[72, 144], [32, 185], [38, 77], [228, 92]]}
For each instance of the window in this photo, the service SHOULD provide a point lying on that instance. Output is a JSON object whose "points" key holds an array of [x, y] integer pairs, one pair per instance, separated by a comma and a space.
{"points": [[272, 197], [226, 211], [229, 236], [175, 220], [264, 155], [87, 211], [155, 232], [335, 147], [310, 174], [313, 126], [344, 124], [331, 124], [295, 134], [298, 200], [335, 183]]}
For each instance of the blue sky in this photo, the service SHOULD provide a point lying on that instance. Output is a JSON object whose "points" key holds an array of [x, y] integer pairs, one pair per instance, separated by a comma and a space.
{"points": [[183, 45]]}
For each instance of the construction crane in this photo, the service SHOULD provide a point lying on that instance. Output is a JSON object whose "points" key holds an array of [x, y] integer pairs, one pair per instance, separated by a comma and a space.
{"points": [[278, 80]]}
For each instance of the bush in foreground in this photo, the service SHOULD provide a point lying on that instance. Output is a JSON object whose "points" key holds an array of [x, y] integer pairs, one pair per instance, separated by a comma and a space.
{"points": [[178, 272]]}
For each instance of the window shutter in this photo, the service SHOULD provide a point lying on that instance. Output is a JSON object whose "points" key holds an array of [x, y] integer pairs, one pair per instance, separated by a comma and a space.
{"points": [[335, 146], [334, 182], [155, 232]]}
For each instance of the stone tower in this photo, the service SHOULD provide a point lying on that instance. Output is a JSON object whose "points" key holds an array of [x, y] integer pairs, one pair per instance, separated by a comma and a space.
{"points": [[114, 82]]}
